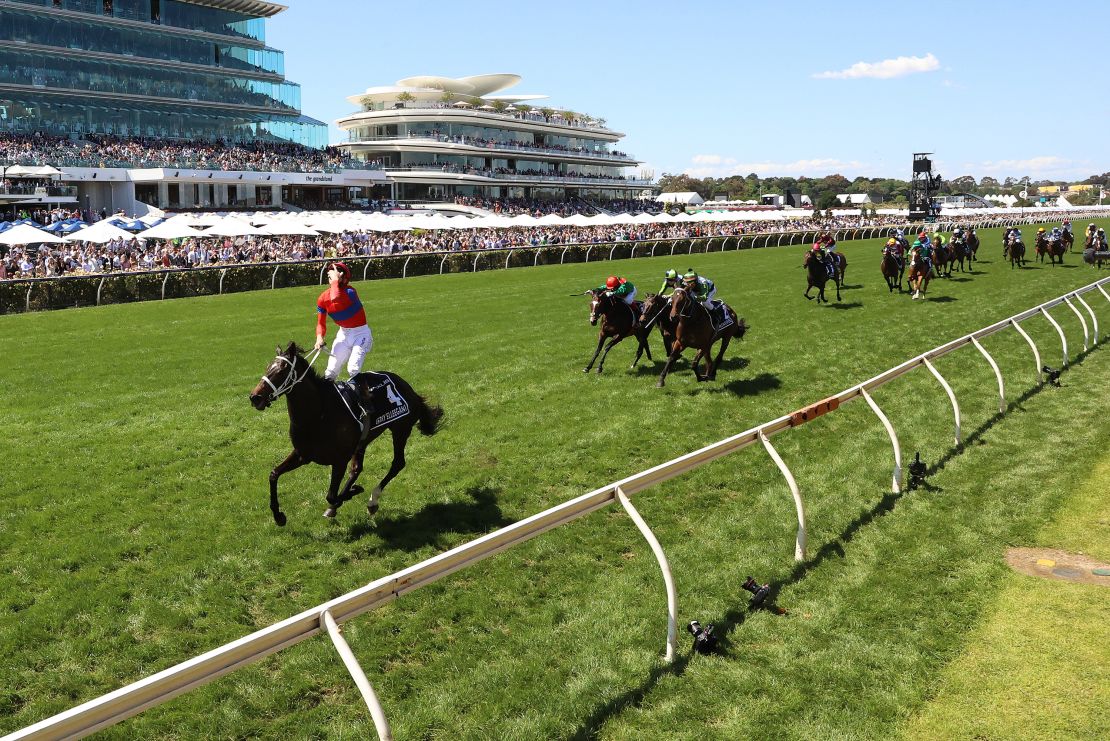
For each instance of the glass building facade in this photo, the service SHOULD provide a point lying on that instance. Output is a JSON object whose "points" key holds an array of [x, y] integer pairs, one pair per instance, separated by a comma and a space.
{"points": [[167, 68]]}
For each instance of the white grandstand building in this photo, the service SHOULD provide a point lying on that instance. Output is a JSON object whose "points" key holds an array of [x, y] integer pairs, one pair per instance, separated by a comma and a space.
{"points": [[441, 138]]}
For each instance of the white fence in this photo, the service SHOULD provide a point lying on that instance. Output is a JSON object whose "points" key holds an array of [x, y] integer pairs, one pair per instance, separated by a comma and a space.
{"points": [[163, 686]]}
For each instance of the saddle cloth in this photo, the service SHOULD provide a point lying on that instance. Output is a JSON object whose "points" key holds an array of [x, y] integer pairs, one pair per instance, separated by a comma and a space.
{"points": [[721, 318], [385, 403]]}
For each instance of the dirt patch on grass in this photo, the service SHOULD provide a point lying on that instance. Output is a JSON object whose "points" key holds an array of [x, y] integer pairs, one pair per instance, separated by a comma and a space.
{"points": [[1049, 563]]}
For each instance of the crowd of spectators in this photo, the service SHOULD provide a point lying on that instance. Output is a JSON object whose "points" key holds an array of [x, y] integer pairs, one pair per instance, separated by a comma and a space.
{"points": [[476, 141], [139, 152], [536, 207], [135, 254]]}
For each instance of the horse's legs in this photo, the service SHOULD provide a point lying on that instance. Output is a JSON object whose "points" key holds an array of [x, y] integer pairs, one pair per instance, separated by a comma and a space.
{"points": [[675, 352], [640, 349], [698, 356], [400, 439], [600, 342], [350, 489], [720, 354], [612, 342], [334, 501], [291, 462]]}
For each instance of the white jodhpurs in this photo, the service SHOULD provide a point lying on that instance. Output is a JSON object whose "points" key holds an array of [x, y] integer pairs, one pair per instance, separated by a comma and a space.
{"points": [[631, 297], [350, 347], [708, 303]]}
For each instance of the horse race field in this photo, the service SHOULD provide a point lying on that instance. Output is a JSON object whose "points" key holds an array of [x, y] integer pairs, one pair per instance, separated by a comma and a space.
{"points": [[135, 531]]}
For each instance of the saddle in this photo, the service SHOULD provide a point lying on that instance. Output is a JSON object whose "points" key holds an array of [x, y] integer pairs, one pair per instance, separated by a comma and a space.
{"points": [[719, 315], [373, 400]]}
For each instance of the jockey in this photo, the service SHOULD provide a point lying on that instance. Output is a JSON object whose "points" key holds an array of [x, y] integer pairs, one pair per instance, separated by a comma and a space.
{"points": [[828, 241], [894, 248], [1067, 225], [1056, 234], [1041, 232], [353, 340], [924, 251], [699, 288], [619, 287], [939, 240], [1100, 239], [670, 282], [958, 235], [821, 252]]}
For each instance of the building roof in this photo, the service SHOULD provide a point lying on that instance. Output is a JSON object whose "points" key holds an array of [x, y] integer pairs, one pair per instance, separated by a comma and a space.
{"points": [[256, 8]]}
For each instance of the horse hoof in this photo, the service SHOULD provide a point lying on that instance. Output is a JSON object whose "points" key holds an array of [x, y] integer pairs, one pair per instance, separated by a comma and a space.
{"points": [[585, 370], [330, 513], [660, 385], [279, 519], [355, 490], [372, 508]]}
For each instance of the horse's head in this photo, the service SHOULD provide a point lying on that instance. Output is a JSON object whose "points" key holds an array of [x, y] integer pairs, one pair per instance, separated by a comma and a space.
{"points": [[679, 299], [283, 373], [652, 304], [598, 303]]}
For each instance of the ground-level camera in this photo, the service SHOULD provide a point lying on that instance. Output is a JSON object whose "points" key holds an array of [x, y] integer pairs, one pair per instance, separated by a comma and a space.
{"points": [[1052, 375], [917, 471], [759, 592], [704, 640]]}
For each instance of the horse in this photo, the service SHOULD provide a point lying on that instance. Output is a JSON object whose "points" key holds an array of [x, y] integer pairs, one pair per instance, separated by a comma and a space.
{"points": [[892, 269], [617, 322], [942, 260], [323, 428], [656, 310], [818, 275], [973, 246], [959, 252], [693, 327], [1054, 248], [1015, 252], [921, 273], [1068, 240]]}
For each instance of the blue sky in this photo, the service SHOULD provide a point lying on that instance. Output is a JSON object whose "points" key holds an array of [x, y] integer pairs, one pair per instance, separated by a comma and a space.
{"points": [[717, 88]]}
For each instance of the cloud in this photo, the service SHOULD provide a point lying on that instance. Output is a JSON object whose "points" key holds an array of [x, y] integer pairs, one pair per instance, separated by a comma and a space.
{"points": [[716, 165], [885, 69], [1038, 168]]}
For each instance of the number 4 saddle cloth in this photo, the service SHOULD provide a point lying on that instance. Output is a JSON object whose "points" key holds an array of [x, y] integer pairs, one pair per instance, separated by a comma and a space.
{"points": [[373, 400]]}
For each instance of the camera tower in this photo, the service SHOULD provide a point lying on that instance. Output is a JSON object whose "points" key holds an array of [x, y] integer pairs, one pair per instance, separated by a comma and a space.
{"points": [[923, 185]]}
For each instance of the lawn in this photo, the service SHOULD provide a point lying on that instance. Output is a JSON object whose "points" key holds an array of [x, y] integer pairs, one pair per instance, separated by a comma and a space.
{"points": [[136, 533]]}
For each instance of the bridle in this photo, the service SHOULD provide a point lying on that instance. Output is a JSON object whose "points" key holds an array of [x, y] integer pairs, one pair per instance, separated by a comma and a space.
{"points": [[666, 305], [291, 377], [686, 313]]}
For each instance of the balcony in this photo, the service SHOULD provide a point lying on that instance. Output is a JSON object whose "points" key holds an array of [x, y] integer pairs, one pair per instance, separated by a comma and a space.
{"points": [[509, 147], [531, 116], [596, 180]]}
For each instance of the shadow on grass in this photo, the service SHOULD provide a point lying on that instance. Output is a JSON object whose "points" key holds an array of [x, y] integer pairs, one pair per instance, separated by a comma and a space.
{"points": [[591, 727], [847, 287], [954, 279], [414, 531], [852, 305], [941, 299], [742, 386]]}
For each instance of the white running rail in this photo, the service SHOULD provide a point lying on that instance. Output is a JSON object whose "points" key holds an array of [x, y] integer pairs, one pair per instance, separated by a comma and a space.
{"points": [[169, 683]]}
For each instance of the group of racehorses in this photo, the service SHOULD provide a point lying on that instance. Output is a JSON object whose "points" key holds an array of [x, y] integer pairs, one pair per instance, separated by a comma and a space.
{"points": [[683, 322], [956, 254]]}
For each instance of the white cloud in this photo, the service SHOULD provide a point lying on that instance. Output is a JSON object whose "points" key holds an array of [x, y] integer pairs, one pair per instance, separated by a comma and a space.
{"points": [[1038, 168], [885, 69], [719, 166]]}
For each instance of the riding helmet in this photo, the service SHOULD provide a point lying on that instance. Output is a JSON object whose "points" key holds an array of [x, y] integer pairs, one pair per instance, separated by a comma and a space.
{"points": [[612, 282], [671, 274]]}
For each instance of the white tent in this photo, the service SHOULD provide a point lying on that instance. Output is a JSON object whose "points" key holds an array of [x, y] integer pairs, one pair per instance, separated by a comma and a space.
{"points": [[27, 234], [46, 171], [19, 171], [99, 233], [286, 227], [231, 227], [688, 197], [171, 229]]}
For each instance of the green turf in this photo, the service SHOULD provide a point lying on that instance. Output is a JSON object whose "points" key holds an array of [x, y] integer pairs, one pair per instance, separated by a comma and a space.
{"points": [[136, 534]]}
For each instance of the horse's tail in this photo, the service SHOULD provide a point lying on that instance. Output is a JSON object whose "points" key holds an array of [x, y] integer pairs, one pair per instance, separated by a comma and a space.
{"points": [[741, 329], [428, 416]]}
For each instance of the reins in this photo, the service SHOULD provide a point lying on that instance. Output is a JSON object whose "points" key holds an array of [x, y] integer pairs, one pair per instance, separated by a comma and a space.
{"points": [[291, 378]]}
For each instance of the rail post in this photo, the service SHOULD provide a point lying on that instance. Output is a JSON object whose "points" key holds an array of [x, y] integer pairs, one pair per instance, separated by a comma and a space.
{"points": [[327, 621], [634, 246], [800, 540], [443, 260], [536, 256], [222, 274], [611, 251], [588, 251], [1082, 320], [31, 286], [167, 277], [997, 374], [474, 267], [1094, 319], [563, 255], [1033, 346], [668, 580], [273, 280], [779, 243], [951, 395], [366, 268], [896, 479], [98, 287], [673, 244], [320, 280], [1103, 291], [653, 246], [1059, 331], [405, 267]]}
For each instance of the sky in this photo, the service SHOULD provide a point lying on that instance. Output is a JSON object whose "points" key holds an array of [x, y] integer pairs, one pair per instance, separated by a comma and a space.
{"points": [[719, 88]]}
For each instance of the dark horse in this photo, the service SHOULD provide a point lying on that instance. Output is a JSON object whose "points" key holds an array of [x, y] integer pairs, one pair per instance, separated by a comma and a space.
{"points": [[1054, 248], [693, 327], [1068, 240], [656, 311], [324, 431], [973, 246], [958, 252], [818, 274], [1015, 253], [892, 269], [617, 322], [942, 260]]}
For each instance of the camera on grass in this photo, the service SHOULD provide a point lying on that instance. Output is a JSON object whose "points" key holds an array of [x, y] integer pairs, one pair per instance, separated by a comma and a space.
{"points": [[917, 471], [759, 592], [704, 640]]}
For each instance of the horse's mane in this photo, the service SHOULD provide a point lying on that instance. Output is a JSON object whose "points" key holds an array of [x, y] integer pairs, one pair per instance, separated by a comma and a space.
{"points": [[296, 350]]}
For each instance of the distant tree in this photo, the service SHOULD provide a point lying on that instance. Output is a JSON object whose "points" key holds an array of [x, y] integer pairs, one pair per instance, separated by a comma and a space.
{"points": [[406, 97], [499, 105], [683, 183], [446, 97]]}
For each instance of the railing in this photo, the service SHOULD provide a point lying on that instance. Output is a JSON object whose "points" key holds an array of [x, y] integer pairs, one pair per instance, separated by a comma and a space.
{"points": [[78, 290], [167, 684], [488, 146], [532, 116], [615, 182], [184, 163]]}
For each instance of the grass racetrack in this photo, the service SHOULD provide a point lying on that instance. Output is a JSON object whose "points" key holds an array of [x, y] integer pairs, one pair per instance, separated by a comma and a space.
{"points": [[135, 530]]}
